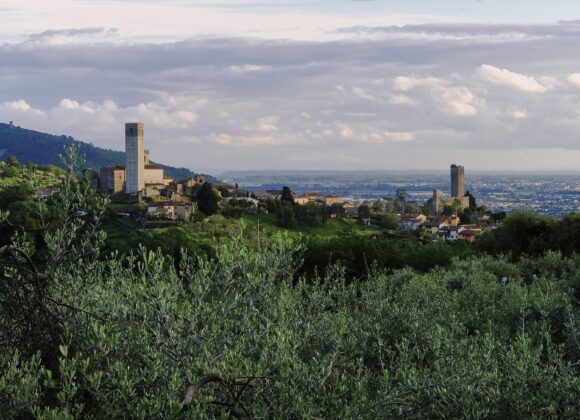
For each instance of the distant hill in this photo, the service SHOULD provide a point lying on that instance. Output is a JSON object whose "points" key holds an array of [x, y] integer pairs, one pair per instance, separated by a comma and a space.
{"points": [[44, 149]]}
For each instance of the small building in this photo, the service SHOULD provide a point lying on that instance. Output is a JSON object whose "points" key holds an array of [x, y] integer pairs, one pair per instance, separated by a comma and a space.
{"points": [[301, 199], [450, 233], [153, 174], [430, 227], [171, 210], [329, 200], [469, 235], [439, 201], [161, 210], [410, 222], [112, 179], [183, 211]]}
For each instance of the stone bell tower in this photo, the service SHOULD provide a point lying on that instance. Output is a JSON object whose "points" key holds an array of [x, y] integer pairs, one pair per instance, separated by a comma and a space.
{"points": [[135, 158]]}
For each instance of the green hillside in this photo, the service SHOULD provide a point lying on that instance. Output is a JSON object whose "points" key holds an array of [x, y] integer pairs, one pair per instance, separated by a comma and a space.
{"points": [[41, 148]]}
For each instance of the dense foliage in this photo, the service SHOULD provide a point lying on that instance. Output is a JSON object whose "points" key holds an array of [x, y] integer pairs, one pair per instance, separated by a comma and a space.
{"points": [[207, 199], [524, 233], [244, 335]]}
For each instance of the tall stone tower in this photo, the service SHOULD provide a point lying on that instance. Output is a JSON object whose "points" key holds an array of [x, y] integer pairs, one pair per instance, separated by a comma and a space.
{"points": [[457, 181], [135, 155]]}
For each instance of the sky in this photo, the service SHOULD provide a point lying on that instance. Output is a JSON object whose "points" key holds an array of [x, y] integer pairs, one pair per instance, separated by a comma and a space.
{"points": [[295, 84]]}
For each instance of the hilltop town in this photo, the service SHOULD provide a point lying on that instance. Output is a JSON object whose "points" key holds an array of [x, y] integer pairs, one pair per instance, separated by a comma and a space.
{"points": [[164, 201]]}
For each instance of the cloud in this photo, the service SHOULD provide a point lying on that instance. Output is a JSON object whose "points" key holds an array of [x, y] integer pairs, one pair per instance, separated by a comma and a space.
{"points": [[401, 100], [504, 77], [254, 103], [457, 100], [574, 79], [363, 94], [247, 68], [466, 32], [346, 132], [268, 123], [405, 84], [229, 140], [20, 105], [400, 136], [519, 114]]}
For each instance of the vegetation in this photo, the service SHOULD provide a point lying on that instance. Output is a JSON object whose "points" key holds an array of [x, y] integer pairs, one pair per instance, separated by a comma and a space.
{"points": [[207, 200], [248, 332]]}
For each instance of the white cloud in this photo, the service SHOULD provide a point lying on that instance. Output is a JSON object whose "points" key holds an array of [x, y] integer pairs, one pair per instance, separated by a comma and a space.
{"points": [[399, 136], [504, 77], [574, 79], [405, 84], [268, 123], [519, 114], [248, 68], [454, 100], [363, 94], [227, 139], [459, 100], [401, 100], [346, 132], [20, 105]]}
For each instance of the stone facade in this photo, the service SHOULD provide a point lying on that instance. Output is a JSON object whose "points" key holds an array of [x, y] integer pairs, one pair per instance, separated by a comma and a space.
{"points": [[112, 179], [457, 181], [135, 155], [153, 174], [439, 201]]}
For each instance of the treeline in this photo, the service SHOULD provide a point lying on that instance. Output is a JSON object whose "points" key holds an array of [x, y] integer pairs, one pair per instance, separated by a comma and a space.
{"points": [[362, 255], [525, 233]]}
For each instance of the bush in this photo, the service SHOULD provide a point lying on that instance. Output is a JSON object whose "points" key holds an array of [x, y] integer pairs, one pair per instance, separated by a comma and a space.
{"points": [[240, 334]]}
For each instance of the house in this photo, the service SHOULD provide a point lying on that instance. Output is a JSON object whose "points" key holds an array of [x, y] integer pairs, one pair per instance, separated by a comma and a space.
{"points": [[301, 199], [450, 233], [469, 235], [430, 227], [161, 210], [183, 211], [112, 179], [329, 200], [170, 210], [410, 222], [151, 191], [153, 174], [314, 196], [188, 185]]}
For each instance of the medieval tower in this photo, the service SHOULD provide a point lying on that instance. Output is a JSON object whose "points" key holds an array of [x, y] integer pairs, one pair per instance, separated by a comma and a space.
{"points": [[457, 181], [135, 155]]}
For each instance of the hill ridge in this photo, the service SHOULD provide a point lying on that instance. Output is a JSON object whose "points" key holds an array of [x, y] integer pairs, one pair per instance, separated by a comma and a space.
{"points": [[30, 146]]}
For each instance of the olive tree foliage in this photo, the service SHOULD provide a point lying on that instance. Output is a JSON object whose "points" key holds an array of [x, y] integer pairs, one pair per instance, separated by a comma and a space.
{"points": [[241, 335]]}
